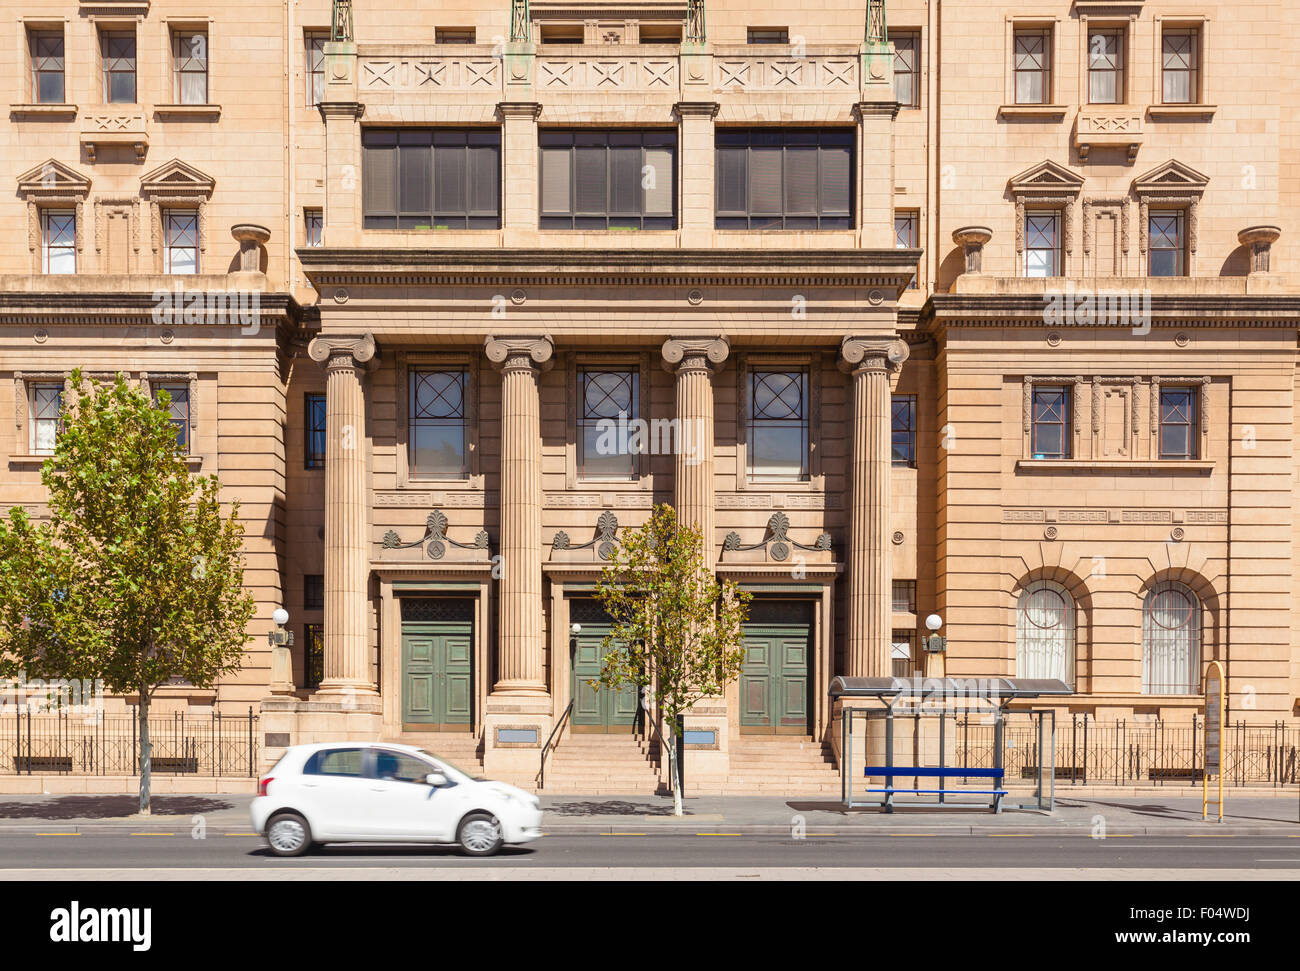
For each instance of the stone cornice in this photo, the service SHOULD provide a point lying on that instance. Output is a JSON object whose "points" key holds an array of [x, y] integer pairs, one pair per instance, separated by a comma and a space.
{"points": [[54, 308], [1181, 310], [891, 268]]}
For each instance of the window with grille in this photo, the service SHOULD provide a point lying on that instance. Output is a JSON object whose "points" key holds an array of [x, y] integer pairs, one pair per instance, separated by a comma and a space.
{"points": [[1033, 66], [177, 407], [901, 654], [1106, 66], [1050, 427], [903, 429], [59, 241], [454, 35], [608, 179], [117, 56], [46, 50], [609, 405], [315, 73], [1042, 244], [182, 241], [313, 656], [315, 450], [1045, 632], [1171, 641], [314, 225], [45, 404], [422, 178], [907, 234], [796, 178], [767, 35], [1180, 66], [1167, 244], [1178, 421], [778, 425], [904, 596], [437, 424], [190, 67], [907, 68]]}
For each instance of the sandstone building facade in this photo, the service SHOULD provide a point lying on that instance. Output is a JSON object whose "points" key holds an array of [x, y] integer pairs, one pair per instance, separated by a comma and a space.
{"points": [[988, 311]]}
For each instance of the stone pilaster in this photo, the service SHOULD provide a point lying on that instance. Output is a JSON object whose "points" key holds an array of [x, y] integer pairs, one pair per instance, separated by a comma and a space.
{"points": [[519, 185], [872, 361], [694, 360], [347, 545], [520, 645], [698, 150], [341, 109]]}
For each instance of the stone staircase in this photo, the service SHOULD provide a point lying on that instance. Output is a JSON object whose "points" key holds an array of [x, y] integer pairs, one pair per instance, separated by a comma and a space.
{"points": [[585, 764], [774, 765], [461, 749]]}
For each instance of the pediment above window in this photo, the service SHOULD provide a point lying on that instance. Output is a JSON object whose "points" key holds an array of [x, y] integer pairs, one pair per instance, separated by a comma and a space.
{"points": [[53, 179], [1172, 178], [1047, 178], [176, 178]]}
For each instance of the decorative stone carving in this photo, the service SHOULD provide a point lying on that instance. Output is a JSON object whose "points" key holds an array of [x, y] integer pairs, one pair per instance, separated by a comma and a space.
{"points": [[972, 240], [1172, 185], [697, 352], [176, 185], [513, 353], [251, 239], [777, 538], [346, 351], [435, 536], [604, 540], [877, 353], [1259, 239], [53, 185]]}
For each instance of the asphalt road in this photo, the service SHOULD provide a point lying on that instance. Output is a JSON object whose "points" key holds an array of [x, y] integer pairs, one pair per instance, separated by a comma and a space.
{"points": [[117, 854]]}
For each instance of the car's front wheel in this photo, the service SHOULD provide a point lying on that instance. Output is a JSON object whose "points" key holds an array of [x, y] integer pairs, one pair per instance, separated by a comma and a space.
{"points": [[479, 834], [287, 834]]}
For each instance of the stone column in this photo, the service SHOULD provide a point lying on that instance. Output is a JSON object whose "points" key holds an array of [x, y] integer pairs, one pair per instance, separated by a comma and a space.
{"points": [[872, 361], [693, 360], [520, 645], [347, 544]]}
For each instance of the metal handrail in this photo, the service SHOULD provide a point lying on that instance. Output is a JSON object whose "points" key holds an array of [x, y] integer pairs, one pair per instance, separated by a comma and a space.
{"points": [[541, 768]]}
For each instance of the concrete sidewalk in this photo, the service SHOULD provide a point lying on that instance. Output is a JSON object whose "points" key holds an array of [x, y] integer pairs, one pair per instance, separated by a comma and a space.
{"points": [[745, 815]]}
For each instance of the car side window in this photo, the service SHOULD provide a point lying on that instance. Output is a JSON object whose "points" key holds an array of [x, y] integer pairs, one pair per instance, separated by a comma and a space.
{"points": [[335, 761], [400, 767]]}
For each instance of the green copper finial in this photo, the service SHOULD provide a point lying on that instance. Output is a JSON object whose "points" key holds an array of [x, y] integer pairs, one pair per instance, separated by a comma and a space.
{"points": [[341, 25], [696, 29], [877, 32], [521, 22]]}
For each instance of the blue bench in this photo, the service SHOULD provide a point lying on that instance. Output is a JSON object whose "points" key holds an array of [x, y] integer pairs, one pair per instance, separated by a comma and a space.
{"points": [[890, 771]]}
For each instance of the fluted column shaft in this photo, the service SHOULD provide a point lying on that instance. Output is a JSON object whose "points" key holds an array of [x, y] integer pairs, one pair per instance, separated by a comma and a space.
{"points": [[693, 361], [520, 644], [871, 362], [347, 570]]}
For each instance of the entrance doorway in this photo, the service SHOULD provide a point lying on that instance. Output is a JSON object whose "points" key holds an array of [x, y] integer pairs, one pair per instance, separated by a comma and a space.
{"points": [[775, 682], [599, 708], [437, 664]]}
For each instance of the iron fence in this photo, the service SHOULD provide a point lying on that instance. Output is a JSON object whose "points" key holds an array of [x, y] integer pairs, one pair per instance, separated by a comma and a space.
{"points": [[64, 743], [1132, 751]]}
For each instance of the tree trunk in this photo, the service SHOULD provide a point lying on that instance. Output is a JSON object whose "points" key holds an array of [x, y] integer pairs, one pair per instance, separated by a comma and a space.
{"points": [[674, 771], [145, 754]]}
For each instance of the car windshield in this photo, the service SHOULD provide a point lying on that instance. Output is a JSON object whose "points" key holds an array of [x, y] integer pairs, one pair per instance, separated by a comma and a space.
{"points": [[465, 776]]}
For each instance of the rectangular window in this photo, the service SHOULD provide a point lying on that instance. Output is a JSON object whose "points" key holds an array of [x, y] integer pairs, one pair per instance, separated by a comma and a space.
{"points": [[454, 35], [902, 654], [622, 179], [59, 241], [1050, 428], [313, 656], [794, 178], [1180, 66], [907, 68], [1042, 244], [1166, 253], [1033, 66], [315, 445], [903, 409], [1178, 423], [316, 41], [904, 597], [117, 55], [609, 405], [314, 223], [778, 425], [313, 591], [562, 34], [906, 235], [767, 35], [44, 403], [46, 48], [190, 67], [436, 436], [1106, 66], [431, 178], [182, 243], [661, 33], [178, 410]]}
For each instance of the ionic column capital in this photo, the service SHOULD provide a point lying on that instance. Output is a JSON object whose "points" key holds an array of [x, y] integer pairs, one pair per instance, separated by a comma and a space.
{"points": [[520, 353], [695, 353], [344, 352], [883, 354]]}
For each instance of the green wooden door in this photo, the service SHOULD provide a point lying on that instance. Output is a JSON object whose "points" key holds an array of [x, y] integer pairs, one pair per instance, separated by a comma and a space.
{"points": [[598, 709], [437, 665], [775, 678]]}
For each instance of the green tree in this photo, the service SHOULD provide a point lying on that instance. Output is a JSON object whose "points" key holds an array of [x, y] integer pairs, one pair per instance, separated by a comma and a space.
{"points": [[136, 578], [677, 630]]}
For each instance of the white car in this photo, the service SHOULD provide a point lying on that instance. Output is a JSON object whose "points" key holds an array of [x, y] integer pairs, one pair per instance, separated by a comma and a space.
{"points": [[377, 792]]}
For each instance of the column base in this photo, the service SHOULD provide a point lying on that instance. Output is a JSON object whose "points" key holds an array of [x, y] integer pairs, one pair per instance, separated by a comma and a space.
{"points": [[347, 687], [534, 689], [515, 727]]}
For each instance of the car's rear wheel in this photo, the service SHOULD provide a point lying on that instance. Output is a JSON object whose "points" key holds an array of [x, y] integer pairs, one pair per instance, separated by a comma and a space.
{"points": [[287, 834], [479, 834]]}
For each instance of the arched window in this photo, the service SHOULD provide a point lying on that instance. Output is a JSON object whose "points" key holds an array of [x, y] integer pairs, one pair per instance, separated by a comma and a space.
{"points": [[1171, 641], [1045, 632]]}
